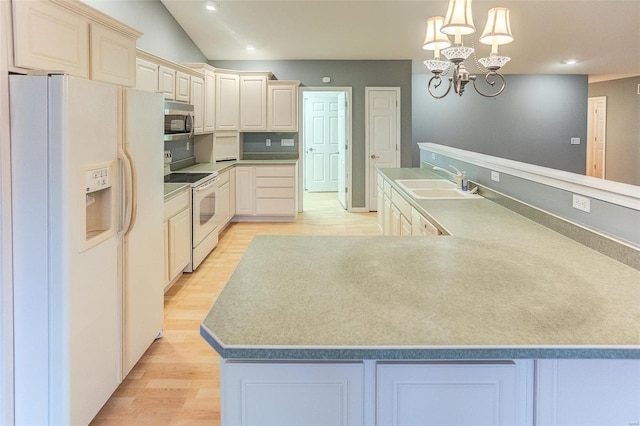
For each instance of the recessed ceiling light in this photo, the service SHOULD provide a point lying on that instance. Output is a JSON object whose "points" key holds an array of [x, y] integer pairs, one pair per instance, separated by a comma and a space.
{"points": [[250, 47], [210, 5], [570, 61]]}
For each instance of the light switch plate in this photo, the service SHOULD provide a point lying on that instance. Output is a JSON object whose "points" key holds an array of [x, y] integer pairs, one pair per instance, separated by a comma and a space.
{"points": [[286, 142], [268, 142], [575, 141]]}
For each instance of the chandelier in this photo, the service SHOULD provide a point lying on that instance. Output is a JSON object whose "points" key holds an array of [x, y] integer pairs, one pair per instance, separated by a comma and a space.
{"points": [[459, 22]]}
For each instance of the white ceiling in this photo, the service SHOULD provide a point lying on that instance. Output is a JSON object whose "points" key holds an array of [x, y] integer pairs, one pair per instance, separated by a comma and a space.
{"points": [[603, 34]]}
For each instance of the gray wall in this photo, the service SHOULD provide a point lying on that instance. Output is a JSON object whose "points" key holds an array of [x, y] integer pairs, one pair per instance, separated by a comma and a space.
{"points": [[532, 121], [355, 74], [622, 155], [163, 36]]}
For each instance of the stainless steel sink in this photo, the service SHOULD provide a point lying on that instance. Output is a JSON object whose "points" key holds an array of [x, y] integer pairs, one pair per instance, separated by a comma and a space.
{"points": [[435, 189]]}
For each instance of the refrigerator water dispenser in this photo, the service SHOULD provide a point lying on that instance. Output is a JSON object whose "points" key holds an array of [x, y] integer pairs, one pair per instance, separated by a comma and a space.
{"points": [[99, 205]]}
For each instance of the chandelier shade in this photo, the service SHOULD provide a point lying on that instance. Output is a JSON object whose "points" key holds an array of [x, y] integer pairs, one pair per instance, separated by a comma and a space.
{"points": [[497, 31], [434, 39], [459, 19]]}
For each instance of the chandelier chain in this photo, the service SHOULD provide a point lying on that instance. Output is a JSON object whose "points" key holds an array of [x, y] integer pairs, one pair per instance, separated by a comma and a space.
{"points": [[475, 58]]}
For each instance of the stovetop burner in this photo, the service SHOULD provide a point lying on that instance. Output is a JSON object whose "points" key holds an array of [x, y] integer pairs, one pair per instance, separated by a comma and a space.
{"points": [[186, 177]]}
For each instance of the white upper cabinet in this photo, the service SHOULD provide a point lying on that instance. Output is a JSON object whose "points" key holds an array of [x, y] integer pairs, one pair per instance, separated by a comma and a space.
{"points": [[146, 75], [197, 99], [227, 101], [74, 38], [113, 56], [183, 87], [209, 100], [283, 106], [167, 82], [47, 36], [253, 103]]}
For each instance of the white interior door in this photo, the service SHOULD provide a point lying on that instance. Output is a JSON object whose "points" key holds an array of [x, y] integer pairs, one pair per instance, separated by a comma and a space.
{"points": [[596, 136], [322, 140], [342, 149], [382, 134]]}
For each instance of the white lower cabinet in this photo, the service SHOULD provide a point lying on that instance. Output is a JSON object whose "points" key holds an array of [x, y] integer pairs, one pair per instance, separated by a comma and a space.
{"points": [[454, 393], [273, 393], [588, 392], [266, 191], [177, 225]]}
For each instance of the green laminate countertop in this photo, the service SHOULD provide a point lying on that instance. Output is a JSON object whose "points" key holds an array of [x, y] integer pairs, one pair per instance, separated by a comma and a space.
{"points": [[221, 166], [173, 189], [499, 287]]}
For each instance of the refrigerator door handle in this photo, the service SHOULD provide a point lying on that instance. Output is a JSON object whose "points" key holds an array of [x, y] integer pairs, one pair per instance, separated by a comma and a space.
{"points": [[127, 206]]}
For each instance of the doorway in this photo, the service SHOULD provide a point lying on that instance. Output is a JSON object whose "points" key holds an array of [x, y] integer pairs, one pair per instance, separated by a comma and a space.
{"points": [[382, 135], [596, 136], [325, 160]]}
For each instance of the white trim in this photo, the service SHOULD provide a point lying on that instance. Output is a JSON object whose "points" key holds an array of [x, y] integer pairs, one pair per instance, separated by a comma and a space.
{"points": [[367, 91], [6, 245], [349, 160], [621, 194]]}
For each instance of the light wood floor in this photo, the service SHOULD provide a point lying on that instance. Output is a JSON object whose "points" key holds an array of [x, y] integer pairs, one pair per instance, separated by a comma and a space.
{"points": [[177, 380]]}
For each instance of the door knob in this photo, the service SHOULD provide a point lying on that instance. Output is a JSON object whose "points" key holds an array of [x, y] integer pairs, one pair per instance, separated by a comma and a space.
{"points": [[310, 149], [375, 157]]}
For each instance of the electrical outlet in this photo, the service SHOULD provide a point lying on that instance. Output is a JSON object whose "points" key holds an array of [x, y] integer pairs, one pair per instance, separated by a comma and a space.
{"points": [[581, 203], [495, 176], [575, 141], [187, 145], [268, 142], [433, 156]]}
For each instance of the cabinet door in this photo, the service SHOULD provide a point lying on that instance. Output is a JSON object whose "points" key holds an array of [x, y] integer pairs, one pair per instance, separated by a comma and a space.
{"points": [[588, 392], [167, 278], [113, 56], [183, 87], [209, 101], [405, 226], [146, 75], [446, 394], [245, 191], [232, 192], [396, 221], [292, 394], [167, 82], [253, 103], [197, 100], [222, 204], [227, 102], [386, 215], [380, 213], [179, 242], [283, 108], [49, 37]]}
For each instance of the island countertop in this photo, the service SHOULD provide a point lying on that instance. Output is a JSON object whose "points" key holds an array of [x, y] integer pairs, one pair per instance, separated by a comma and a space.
{"points": [[499, 287]]}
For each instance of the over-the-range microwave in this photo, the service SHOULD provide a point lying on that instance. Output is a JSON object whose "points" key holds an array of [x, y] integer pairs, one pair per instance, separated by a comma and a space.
{"points": [[178, 121]]}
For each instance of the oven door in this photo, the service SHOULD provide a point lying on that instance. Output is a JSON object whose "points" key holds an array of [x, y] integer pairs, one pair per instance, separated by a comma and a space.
{"points": [[204, 210]]}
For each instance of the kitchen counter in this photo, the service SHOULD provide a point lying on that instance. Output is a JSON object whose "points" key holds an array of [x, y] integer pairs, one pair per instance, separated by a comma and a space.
{"points": [[499, 287], [221, 166], [172, 189]]}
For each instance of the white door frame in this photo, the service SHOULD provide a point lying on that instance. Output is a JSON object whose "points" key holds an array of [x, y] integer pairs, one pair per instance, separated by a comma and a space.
{"points": [[367, 91], [591, 102], [348, 111]]}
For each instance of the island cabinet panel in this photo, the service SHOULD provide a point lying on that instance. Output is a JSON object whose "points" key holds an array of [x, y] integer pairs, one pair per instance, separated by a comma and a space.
{"points": [[454, 393], [273, 393], [588, 392]]}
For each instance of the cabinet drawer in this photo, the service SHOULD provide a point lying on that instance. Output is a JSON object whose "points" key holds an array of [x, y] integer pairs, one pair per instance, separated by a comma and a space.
{"points": [[280, 171], [386, 186], [275, 207], [176, 204], [274, 182], [402, 204], [275, 193], [224, 178]]}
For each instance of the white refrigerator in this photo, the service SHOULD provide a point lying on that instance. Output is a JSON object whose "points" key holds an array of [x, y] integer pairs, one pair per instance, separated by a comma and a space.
{"points": [[87, 191]]}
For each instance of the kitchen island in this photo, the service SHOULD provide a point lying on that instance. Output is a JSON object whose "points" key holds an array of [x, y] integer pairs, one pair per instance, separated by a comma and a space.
{"points": [[500, 300]]}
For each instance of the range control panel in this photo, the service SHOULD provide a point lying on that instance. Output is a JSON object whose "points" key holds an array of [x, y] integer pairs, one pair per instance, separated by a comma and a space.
{"points": [[97, 179]]}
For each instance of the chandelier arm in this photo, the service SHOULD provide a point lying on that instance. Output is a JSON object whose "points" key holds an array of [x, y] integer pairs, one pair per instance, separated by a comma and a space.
{"points": [[487, 79], [436, 85]]}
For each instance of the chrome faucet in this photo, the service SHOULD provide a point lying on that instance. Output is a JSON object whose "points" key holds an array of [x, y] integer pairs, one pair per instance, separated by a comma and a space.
{"points": [[457, 176]]}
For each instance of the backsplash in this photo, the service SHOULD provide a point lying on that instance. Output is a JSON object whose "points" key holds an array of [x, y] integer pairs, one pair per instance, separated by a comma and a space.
{"points": [[180, 149], [256, 142]]}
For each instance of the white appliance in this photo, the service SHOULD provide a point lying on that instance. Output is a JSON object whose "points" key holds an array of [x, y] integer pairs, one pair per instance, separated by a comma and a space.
{"points": [[88, 241], [205, 214]]}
